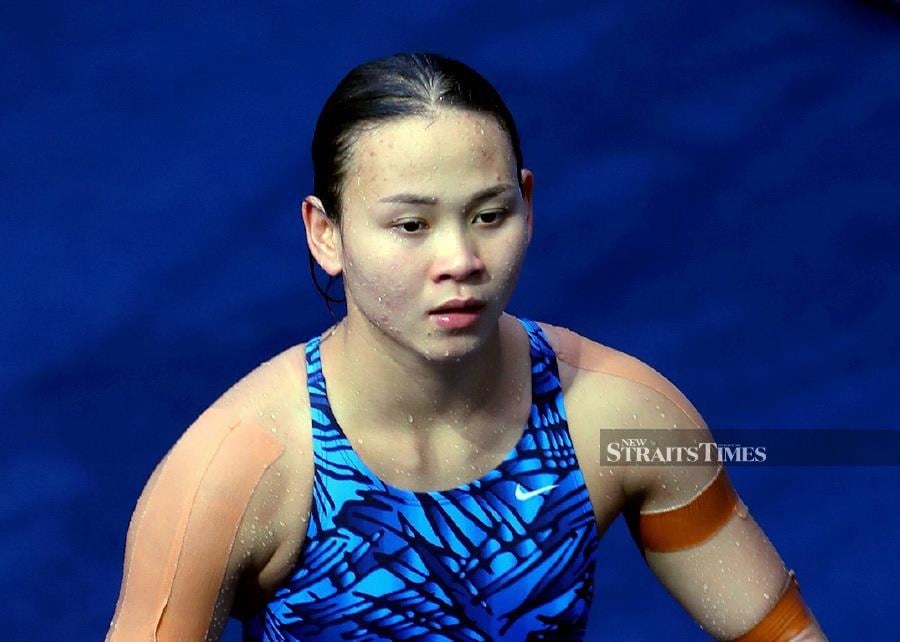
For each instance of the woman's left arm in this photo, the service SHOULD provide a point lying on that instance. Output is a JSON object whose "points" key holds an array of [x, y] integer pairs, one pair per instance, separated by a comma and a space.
{"points": [[693, 531], [699, 539]]}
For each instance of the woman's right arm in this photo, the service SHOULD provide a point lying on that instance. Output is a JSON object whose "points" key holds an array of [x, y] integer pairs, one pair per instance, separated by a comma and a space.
{"points": [[194, 533]]}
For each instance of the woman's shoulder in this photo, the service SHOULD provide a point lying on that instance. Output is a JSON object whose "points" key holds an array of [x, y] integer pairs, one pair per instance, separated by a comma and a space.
{"points": [[274, 387], [595, 370], [586, 354], [259, 413], [248, 432], [251, 447], [197, 529]]}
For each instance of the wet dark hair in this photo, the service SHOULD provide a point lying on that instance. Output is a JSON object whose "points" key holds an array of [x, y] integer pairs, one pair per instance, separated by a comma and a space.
{"points": [[404, 84]]}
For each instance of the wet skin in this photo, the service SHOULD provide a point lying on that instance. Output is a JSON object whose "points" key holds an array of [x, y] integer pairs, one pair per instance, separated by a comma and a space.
{"points": [[434, 212]]}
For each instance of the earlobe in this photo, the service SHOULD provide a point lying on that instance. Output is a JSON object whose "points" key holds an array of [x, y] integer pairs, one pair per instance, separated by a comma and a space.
{"points": [[322, 235]]}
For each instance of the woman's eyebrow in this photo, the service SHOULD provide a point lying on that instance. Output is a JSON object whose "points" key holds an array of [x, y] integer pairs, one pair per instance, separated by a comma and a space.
{"points": [[417, 199]]}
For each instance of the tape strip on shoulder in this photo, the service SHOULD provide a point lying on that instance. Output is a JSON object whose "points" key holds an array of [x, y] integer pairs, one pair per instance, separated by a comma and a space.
{"points": [[687, 526], [188, 525], [582, 353]]}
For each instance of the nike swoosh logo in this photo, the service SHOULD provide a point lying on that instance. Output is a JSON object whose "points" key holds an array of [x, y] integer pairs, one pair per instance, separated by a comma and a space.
{"points": [[522, 494]]}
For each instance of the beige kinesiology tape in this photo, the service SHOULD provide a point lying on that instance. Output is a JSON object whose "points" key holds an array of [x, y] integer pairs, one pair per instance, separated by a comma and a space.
{"points": [[184, 527]]}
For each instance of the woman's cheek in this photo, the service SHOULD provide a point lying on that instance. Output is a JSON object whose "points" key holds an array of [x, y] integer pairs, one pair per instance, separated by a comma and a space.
{"points": [[512, 261], [396, 285], [387, 287]]}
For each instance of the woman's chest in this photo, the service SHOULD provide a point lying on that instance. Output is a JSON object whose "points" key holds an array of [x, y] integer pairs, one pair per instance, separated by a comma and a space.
{"points": [[507, 554]]}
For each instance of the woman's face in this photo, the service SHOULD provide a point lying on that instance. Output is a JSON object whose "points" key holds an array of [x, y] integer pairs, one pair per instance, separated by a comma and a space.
{"points": [[434, 230]]}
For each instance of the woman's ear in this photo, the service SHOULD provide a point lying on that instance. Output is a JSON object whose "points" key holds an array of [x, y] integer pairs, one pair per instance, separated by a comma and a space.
{"points": [[323, 236], [527, 183]]}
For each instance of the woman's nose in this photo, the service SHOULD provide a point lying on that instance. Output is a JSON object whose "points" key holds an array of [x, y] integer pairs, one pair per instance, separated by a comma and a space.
{"points": [[457, 258]]}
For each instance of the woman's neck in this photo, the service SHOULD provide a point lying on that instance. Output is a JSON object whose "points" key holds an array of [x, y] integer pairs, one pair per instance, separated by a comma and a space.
{"points": [[393, 385]]}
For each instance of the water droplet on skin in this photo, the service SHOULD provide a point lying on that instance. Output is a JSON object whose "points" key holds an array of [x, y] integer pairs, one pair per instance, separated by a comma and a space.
{"points": [[410, 418], [359, 440], [766, 595]]}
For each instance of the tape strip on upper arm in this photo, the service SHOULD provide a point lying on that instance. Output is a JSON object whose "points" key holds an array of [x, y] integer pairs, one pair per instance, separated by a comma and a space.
{"points": [[185, 525], [673, 529], [692, 524]]}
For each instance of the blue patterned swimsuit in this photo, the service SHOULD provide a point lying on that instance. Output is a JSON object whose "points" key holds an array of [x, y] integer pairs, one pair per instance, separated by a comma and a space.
{"points": [[509, 556]]}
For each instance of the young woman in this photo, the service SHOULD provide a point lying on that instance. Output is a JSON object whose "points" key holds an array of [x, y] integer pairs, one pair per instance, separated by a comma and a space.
{"points": [[432, 468]]}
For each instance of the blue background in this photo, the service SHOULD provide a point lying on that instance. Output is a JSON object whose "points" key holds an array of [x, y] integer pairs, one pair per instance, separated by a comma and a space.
{"points": [[717, 194]]}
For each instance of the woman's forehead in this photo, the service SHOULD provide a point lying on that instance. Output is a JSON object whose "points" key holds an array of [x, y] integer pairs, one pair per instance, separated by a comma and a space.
{"points": [[441, 150]]}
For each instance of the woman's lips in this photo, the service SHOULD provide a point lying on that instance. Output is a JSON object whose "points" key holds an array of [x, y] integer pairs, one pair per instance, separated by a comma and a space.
{"points": [[457, 317]]}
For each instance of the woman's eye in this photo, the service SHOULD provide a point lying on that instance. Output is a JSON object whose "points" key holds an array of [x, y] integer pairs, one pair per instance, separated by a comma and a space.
{"points": [[489, 218], [410, 227]]}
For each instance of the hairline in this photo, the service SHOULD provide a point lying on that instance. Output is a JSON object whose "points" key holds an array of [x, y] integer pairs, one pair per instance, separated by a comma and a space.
{"points": [[350, 138]]}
